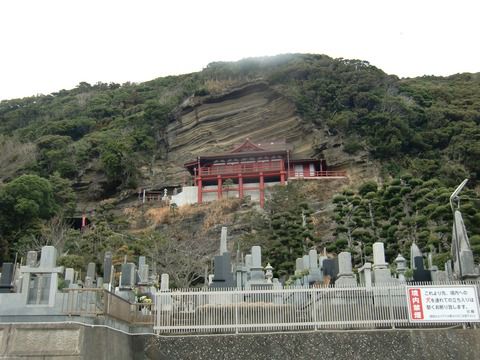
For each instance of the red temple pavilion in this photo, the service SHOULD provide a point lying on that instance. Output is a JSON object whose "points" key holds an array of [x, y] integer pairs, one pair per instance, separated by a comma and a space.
{"points": [[250, 168]]}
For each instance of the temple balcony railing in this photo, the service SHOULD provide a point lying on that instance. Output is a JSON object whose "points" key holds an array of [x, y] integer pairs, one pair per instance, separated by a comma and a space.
{"points": [[236, 169], [267, 168], [316, 174]]}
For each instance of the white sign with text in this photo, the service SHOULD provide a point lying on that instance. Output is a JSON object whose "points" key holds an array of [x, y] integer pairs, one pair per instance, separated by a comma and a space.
{"points": [[443, 303]]}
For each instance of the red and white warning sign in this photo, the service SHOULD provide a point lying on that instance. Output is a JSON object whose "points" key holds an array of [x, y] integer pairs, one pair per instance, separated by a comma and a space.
{"points": [[443, 303]]}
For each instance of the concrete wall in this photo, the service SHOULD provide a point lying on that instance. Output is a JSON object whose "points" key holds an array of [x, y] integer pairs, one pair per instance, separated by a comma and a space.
{"points": [[12, 304], [254, 194], [64, 341], [335, 345], [71, 341], [188, 195]]}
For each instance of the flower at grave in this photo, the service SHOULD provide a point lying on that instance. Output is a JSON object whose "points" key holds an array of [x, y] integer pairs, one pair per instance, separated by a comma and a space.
{"points": [[145, 299]]}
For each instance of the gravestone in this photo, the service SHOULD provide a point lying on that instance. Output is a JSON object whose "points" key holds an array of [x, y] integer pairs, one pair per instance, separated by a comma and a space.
{"points": [[419, 273], [143, 269], [381, 272], [223, 240], [278, 296], [164, 298], [414, 252], [298, 266], [127, 278], [70, 277], [107, 267], [222, 271], [438, 276], [48, 258], [90, 277], [306, 262], [314, 272], [248, 261], [6, 279], [240, 276], [429, 261], [448, 270], [32, 259], [165, 282], [257, 276], [365, 273], [329, 268], [464, 266], [345, 277]]}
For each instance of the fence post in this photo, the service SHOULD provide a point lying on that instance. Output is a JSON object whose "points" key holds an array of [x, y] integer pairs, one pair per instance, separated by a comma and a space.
{"points": [[314, 307], [236, 312], [391, 307], [107, 303]]}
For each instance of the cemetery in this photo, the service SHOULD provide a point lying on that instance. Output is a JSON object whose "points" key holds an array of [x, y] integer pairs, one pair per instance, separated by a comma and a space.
{"points": [[242, 296]]}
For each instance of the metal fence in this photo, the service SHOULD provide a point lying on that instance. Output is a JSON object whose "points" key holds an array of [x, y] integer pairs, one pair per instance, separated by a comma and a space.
{"points": [[292, 309]]}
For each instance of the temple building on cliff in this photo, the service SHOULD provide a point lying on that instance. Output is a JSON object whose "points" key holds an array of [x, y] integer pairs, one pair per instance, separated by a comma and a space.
{"points": [[248, 170]]}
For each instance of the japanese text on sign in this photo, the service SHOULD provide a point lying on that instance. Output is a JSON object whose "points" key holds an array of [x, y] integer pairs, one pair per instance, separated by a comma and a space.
{"points": [[443, 303]]}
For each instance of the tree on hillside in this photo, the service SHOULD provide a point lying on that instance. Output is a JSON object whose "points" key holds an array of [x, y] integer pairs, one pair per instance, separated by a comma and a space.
{"points": [[24, 203], [290, 231]]}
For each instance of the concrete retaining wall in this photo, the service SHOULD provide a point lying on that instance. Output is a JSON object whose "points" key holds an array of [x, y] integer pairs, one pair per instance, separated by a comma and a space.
{"points": [[452, 344], [65, 341]]}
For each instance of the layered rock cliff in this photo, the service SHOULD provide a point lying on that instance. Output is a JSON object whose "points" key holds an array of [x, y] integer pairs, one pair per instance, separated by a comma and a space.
{"points": [[216, 123]]}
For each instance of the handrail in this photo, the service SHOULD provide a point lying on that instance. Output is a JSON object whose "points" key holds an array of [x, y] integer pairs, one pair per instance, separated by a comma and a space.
{"points": [[240, 168], [255, 168], [323, 173]]}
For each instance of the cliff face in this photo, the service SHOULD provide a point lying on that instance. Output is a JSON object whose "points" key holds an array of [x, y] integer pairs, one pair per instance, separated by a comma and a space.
{"points": [[211, 124], [216, 123]]}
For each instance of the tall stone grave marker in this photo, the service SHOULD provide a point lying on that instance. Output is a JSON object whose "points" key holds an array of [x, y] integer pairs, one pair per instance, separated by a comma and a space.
{"points": [[381, 272], [107, 267], [127, 278], [70, 277], [222, 265], [90, 277], [345, 277], [314, 272], [365, 273], [143, 269]]}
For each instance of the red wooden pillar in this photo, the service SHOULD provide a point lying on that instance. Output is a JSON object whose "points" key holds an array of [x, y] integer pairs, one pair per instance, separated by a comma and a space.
{"points": [[240, 186], [282, 177], [262, 191], [200, 193], [219, 187]]}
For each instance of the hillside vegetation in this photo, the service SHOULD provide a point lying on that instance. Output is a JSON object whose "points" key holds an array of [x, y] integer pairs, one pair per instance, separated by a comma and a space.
{"points": [[62, 151]]}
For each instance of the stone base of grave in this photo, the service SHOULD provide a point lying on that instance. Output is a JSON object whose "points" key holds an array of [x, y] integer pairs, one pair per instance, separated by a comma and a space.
{"points": [[383, 276], [346, 281], [315, 276]]}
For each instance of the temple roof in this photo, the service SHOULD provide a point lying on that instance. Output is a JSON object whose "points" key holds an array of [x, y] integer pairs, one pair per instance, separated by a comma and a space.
{"points": [[247, 148]]}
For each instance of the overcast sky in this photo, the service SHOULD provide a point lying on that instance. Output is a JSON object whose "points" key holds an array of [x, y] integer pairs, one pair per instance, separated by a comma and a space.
{"points": [[50, 45]]}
